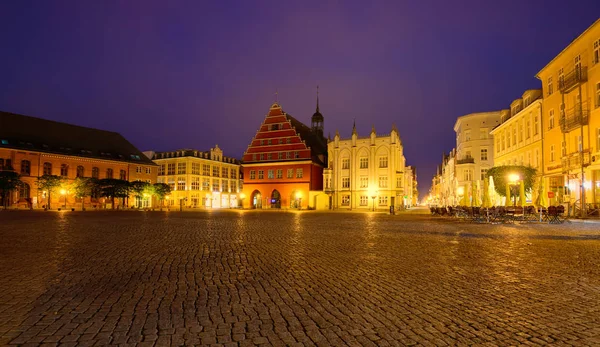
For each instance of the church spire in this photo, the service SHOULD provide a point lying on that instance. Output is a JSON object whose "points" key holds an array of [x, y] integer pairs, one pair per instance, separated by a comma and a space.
{"points": [[317, 98], [317, 119]]}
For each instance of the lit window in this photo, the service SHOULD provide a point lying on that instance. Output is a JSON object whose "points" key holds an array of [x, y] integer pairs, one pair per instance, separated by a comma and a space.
{"points": [[345, 182], [383, 162], [299, 173], [364, 163]]}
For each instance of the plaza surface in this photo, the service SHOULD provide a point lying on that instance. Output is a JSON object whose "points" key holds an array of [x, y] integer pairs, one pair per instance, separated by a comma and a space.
{"points": [[294, 278]]}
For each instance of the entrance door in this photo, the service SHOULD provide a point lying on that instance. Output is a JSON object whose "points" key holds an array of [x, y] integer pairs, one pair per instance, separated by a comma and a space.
{"points": [[275, 199], [255, 199]]}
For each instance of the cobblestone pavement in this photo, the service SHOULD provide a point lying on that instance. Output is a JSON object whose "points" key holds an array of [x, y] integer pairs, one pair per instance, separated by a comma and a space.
{"points": [[293, 278]]}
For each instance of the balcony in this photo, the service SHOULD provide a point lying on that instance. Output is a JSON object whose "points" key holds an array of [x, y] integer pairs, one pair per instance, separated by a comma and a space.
{"points": [[574, 117], [466, 160], [573, 161], [572, 79]]}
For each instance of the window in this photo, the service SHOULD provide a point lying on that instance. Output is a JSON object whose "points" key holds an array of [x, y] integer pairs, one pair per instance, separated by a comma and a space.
{"points": [[520, 131], [253, 156], [25, 167], [299, 173], [64, 170], [364, 182], [195, 185], [498, 145], [225, 172], [180, 183], [483, 173], [596, 54], [281, 141], [528, 129], [550, 86], [205, 170], [290, 173], [279, 173], [383, 162], [233, 173], [181, 167], [364, 163], [484, 154], [252, 174], [383, 181], [234, 187], [280, 155], [508, 138], [383, 201], [215, 185], [148, 170], [345, 182], [364, 200], [171, 183], [138, 169], [563, 149], [526, 101], [206, 184], [24, 190], [288, 140], [123, 175], [551, 120], [95, 172], [345, 163], [261, 174], [80, 171], [345, 200], [274, 126], [467, 135], [577, 62], [296, 154], [483, 133], [171, 169], [48, 169], [398, 182], [597, 94], [503, 141], [528, 158], [551, 152], [262, 142], [109, 172], [535, 125], [226, 186], [270, 174], [536, 155], [468, 175], [161, 170], [561, 77], [269, 142], [579, 143], [215, 171], [514, 135], [195, 168], [269, 156]]}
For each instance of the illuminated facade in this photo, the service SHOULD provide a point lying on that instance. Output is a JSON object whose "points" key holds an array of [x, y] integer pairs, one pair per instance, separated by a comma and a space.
{"points": [[199, 178], [571, 111], [34, 147], [519, 137], [283, 165], [444, 184], [368, 172]]}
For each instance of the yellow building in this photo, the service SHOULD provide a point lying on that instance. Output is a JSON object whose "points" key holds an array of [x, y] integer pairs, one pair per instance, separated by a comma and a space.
{"points": [[198, 178], [571, 109], [519, 136]]}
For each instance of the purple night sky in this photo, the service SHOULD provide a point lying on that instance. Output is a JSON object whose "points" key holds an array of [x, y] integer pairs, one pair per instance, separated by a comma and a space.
{"points": [[192, 74]]}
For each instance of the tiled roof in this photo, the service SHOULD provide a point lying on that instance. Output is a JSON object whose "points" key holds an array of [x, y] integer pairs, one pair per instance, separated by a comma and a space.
{"points": [[317, 144], [42, 135]]}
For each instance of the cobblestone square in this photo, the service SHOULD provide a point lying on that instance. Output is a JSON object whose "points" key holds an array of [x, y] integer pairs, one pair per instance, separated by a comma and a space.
{"points": [[294, 278]]}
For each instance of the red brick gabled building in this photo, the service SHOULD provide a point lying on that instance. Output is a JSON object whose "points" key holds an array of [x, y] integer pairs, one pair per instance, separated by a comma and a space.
{"points": [[284, 162]]}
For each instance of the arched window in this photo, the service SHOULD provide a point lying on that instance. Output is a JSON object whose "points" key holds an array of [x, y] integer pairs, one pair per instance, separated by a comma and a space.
{"points": [[95, 173], [25, 167], [109, 173], [24, 191], [123, 175], [64, 170], [80, 171], [47, 168]]}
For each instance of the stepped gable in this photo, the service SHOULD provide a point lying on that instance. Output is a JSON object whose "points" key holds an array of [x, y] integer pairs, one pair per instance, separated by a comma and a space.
{"points": [[282, 137], [42, 135]]}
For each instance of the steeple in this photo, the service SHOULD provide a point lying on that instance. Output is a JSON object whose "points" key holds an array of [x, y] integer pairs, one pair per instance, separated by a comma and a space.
{"points": [[317, 119], [354, 127]]}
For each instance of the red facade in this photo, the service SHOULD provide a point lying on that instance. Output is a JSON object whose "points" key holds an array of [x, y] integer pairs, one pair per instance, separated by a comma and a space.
{"points": [[283, 162]]}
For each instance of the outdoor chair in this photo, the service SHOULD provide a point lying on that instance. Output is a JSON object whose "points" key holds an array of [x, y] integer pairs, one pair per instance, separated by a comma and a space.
{"points": [[553, 216]]}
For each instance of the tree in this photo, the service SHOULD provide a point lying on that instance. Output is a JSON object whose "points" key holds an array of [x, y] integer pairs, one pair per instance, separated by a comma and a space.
{"points": [[9, 181], [161, 190], [500, 175], [113, 188], [140, 189], [83, 187], [50, 183]]}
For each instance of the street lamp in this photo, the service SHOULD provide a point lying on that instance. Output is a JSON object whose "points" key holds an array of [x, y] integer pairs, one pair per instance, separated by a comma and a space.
{"points": [[63, 192], [373, 193], [299, 197], [513, 179]]}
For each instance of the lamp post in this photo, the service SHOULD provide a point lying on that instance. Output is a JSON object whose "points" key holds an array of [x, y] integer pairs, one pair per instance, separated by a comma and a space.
{"points": [[299, 197], [513, 179], [63, 192], [373, 196]]}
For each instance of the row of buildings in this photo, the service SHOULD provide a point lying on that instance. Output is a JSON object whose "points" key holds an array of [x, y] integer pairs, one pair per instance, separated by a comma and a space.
{"points": [[554, 129], [286, 165]]}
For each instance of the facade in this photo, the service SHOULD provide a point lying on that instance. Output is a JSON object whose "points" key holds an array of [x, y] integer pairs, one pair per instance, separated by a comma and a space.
{"points": [[283, 165], [34, 147], [444, 183], [368, 172], [474, 150], [571, 109], [197, 179], [519, 137]]}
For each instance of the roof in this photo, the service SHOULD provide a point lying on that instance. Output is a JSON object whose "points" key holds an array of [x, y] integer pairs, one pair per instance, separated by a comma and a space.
{"points": [[42, 135], [317, 144], [187, 152]]}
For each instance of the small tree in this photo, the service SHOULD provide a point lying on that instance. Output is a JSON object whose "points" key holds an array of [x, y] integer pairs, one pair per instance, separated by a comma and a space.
{"points": [[9, 181], [500, 175], [49, 183], [139, 188], [83, 187], [113, 188], [161, 190]]}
